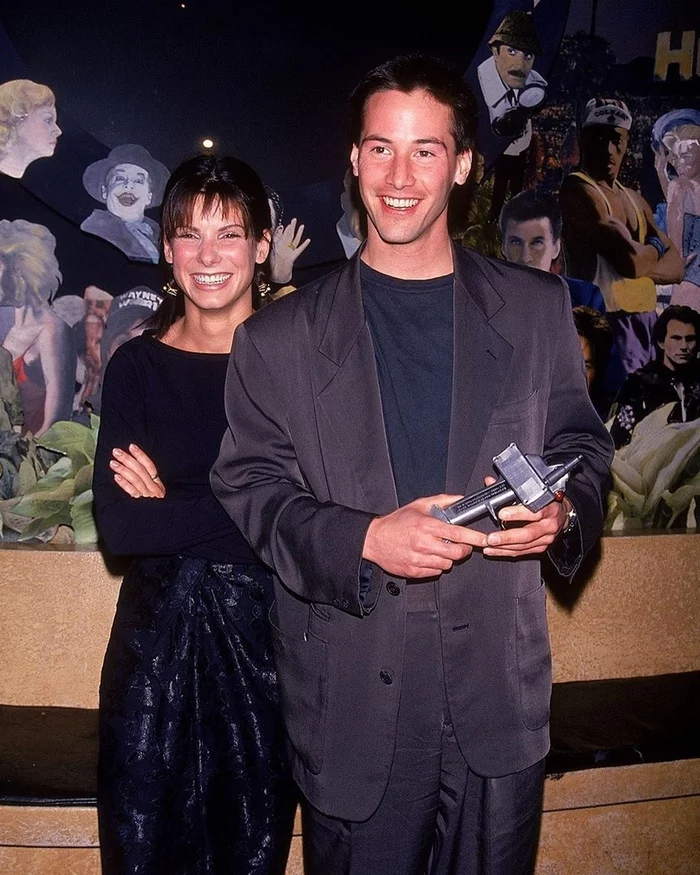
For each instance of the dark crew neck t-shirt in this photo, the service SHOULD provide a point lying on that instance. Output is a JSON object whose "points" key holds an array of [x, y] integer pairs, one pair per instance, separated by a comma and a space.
{"points": [[411, 323]]}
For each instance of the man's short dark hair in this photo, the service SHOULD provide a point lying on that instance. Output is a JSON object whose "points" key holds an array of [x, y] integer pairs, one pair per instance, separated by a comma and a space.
{"points": [[530, 205], [419, 72], [681, 314]]}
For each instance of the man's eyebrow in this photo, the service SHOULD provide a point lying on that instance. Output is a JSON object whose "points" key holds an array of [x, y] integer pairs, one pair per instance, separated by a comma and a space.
{"points": [[420, 141]]}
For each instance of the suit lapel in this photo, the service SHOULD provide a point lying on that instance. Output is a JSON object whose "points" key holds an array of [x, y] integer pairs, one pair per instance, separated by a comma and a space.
{"points": [[350, 418], [481, 360]]}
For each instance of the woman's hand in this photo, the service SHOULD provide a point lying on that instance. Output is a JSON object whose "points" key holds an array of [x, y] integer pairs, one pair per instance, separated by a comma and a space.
{"points": [[135, 473]]}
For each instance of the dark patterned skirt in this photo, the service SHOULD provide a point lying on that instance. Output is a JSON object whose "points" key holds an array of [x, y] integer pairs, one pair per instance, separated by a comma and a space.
{"points": [[192, 776]]}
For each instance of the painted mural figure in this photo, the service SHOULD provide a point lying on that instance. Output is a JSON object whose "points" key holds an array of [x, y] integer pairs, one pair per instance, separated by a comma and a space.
{"points": [[610, 234], [673, 377], [683, 212], [511, 91], [128, 182], [28, 128], [39, 341]]}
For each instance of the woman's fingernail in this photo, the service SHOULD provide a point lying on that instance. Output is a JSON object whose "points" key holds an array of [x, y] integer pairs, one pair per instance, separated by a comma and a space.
{"points": [[118, 452]]}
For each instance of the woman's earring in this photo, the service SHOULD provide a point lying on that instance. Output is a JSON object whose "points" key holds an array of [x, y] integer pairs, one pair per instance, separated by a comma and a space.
{"points": [[171, 288], [264, 290]]}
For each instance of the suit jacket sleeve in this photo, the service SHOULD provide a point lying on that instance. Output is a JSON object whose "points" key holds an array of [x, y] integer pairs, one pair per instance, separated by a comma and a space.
{"points": [[573, 427], [313, 546]]}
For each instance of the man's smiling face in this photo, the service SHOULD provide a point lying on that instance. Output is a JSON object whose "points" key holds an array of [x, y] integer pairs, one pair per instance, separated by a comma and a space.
{"points": [[407, 163]]}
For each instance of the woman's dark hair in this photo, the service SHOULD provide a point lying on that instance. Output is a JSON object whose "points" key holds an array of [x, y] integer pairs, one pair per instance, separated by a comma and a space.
{"points": [[227, 182]]}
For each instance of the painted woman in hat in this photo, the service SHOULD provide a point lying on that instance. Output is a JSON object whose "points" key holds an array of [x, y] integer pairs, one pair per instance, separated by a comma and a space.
{"points": [[128, 182], [192, 774]]}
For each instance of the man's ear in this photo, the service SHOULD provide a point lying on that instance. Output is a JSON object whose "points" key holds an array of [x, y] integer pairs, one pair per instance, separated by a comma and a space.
{"points": [[354, 158], [557, 249], [464, 165]]}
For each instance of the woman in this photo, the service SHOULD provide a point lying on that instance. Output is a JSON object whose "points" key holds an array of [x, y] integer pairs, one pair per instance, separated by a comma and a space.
{"points": [[40, 343], [192, 778], [28, 128]]}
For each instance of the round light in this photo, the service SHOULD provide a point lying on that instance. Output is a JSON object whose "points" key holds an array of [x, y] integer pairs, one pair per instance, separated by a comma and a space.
{"points": [[207, 143]]}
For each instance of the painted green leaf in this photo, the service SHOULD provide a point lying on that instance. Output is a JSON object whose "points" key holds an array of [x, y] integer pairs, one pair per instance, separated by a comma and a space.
{"points": [[75, 440], [39, 527], [83, 480], [82, 519]]}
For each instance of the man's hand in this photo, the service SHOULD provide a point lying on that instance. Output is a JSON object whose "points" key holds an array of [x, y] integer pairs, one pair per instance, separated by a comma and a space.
{"points": [[537, 535], [410, 543]]}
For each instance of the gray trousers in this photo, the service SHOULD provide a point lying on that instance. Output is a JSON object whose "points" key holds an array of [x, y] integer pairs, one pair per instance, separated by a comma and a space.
{"points": [[437, 816]]}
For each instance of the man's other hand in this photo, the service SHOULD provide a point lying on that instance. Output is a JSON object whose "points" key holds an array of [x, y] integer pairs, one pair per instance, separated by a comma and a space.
{"points": [[538, 533]]}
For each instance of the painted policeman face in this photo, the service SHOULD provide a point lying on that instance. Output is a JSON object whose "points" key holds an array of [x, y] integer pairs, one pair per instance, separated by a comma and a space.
{"points": [[406, 163], [531, 243], [680, 344], [513, 65], [127, 192]]}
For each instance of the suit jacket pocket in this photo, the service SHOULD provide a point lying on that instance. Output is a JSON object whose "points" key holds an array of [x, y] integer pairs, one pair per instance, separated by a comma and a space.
{"points": [[534, 658], [302, 669]]}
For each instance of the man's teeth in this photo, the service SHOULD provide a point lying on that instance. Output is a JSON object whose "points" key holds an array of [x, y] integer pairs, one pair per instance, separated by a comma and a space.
{"points": [[400, 203], [211, 279]]}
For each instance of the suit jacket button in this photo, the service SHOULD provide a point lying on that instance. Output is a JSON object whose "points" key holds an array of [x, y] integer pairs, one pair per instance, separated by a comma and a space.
{"points": [[386, 677], [393, 588]]}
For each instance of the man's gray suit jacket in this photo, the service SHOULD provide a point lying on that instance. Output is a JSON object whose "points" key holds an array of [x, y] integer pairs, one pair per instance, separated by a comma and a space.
{"points": [[304, 468]]}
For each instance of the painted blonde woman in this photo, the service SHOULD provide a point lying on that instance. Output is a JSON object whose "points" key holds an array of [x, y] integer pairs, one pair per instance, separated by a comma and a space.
{"points": [[28, 128]]}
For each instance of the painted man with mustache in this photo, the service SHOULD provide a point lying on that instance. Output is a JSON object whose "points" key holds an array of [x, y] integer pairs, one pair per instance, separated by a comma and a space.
{"points": [[504, 78], [128, 182]]}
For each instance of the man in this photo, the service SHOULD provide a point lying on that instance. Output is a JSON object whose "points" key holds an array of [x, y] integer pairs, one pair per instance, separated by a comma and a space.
{"points": [[512, 90], [128, 181], [413, 661], [610, 234], [530, 224], [673, 377]]}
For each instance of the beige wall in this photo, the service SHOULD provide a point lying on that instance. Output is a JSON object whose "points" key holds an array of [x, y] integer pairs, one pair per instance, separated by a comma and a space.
{"points": [[637, 613]]}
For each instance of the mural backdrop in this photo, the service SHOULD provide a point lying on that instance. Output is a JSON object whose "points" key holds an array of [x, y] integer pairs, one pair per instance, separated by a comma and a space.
{"points": [[589, 166]]}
